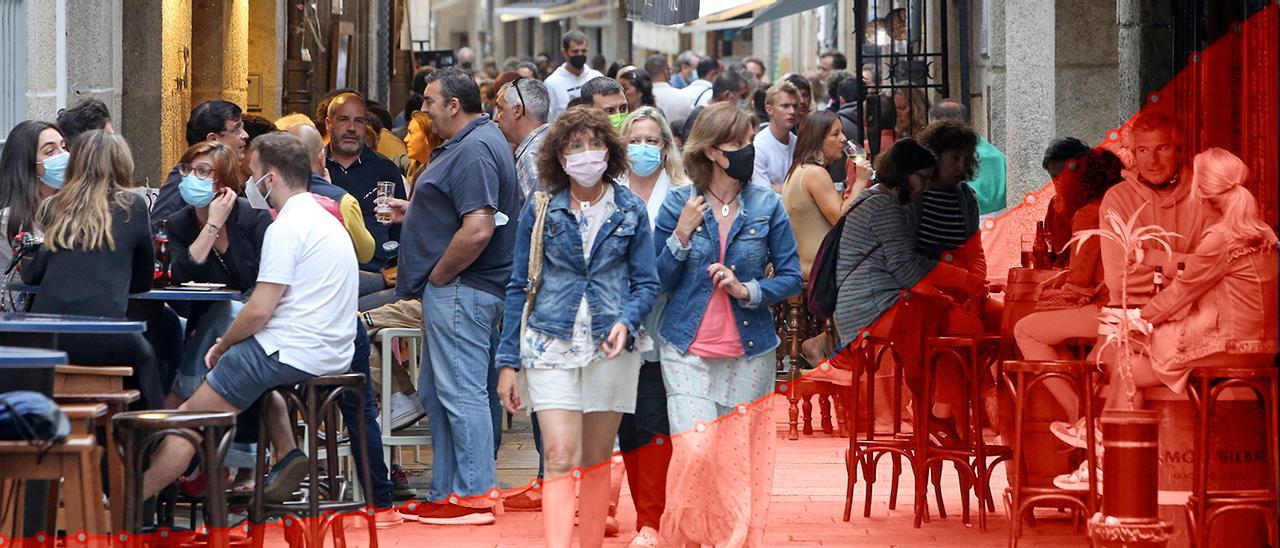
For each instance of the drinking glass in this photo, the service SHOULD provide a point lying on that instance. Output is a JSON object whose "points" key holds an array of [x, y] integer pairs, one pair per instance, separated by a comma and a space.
{"points": [[381, 209]]}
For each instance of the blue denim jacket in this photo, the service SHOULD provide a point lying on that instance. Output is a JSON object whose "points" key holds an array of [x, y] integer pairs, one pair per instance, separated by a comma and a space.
{"points": [[619, 280], [761, 234]]}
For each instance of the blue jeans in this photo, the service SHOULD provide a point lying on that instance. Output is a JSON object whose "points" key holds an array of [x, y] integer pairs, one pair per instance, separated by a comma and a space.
{"points": [[458, 386], [381, 487]]}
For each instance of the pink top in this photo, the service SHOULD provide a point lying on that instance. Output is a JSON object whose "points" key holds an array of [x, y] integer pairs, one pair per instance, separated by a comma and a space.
{"points": [[717, 335]]}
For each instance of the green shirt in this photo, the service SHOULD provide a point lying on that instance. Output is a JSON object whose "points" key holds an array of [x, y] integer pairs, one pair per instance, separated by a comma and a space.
{"points": [[989, 180]]}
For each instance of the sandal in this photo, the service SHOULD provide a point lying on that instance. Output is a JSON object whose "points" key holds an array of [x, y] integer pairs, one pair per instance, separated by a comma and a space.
{"points": [[1078, 480]]}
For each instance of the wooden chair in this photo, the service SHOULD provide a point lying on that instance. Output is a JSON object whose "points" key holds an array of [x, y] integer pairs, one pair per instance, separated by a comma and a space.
{"points": [[79, 379], [75, 463], [115, 402]]}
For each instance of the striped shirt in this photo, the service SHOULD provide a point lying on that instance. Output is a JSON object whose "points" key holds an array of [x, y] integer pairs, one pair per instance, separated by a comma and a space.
{"points": [[942, 223], [879, 230]]}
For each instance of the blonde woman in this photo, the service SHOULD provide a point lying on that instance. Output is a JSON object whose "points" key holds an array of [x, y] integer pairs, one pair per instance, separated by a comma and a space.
{"points": [[653, 169], [713, 240], [95, 226]]}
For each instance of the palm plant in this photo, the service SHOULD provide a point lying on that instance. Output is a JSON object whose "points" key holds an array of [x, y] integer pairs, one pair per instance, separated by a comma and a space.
{"points": [[1132, 240]]}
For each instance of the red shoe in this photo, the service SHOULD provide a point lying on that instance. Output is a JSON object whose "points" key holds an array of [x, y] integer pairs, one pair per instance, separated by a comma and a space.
{"points": [[444, 513], [529, 500]]}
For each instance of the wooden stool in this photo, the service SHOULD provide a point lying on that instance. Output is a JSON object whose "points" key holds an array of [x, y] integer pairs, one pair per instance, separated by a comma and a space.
{"points": [[79, 379], [209, 433], [1019, 497], [74, 461], [867, 451], [1204, 506], [317, 400], [115, 403], [976, 356]]}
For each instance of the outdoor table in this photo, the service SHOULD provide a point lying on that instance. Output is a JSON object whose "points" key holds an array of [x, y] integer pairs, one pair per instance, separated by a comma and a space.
{"points": [[160, 294]]}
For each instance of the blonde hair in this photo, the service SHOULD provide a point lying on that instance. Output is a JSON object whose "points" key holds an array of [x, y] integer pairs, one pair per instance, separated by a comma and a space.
{"points": [[720, 123], [79, 215], [781, 87], [672, 163], [286, 122], [1221, 174]]}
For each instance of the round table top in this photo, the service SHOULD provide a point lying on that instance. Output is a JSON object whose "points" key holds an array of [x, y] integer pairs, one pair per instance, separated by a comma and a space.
{"points": [[163, 294], [26, 357], [24, 322]]}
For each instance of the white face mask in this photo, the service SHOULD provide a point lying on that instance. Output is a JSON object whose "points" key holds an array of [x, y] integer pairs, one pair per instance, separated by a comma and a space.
{"points": [[257, 199], [586, 168]]}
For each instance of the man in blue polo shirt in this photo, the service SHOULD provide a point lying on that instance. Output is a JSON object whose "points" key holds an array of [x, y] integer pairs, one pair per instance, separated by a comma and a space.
{"points": [[456, 257], [357, 169]]}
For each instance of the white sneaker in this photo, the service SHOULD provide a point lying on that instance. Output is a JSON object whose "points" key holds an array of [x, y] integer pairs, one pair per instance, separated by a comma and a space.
{"points": [[647, 537], [1073, 434], [405, 410]]}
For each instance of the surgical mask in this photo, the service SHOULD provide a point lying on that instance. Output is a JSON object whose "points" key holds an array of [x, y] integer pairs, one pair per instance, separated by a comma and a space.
{"points": [[617, 120], [741, 162], [196, 191], [586, 168], [577, 61], [257, 199], [55, 168], [742, 103], [645, 159]]}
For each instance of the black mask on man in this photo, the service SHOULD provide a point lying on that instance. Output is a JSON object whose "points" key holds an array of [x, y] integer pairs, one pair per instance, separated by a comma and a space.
{"points": [[578, 61], [741, 162]]}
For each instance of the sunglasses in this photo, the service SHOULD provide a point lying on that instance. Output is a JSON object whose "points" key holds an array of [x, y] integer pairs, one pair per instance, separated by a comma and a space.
{"points": [[516, 85]]}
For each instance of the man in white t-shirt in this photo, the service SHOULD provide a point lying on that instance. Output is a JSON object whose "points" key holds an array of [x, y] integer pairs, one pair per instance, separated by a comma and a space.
{"points": [[698, 92], [565, 84], [666, 97], [296, 326], [775, 144]]}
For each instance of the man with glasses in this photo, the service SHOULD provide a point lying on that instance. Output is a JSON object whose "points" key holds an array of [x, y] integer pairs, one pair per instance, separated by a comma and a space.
{"points": [[521, 113], [213, 120], [357, 169]]}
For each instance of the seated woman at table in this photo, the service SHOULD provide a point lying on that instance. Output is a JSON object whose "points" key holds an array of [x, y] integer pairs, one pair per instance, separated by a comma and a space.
{"points": [[1068, 303], [811, 200], [878, 255], [25, 180], [215, 238], [1220, 311], [97, 250]]}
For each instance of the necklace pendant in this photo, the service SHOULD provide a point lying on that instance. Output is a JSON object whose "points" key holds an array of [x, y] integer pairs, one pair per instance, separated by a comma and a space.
{"points": [[584, 205], [724, 210]]}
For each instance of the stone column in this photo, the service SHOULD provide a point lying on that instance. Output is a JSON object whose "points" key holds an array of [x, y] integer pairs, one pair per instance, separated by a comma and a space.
{"points": [[265, 57], [220, 51], [156, 100], [1087, 96], [1028, 101]]}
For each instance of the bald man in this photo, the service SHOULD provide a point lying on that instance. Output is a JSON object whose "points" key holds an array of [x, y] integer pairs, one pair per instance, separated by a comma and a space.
{"points": [[352, 217]]}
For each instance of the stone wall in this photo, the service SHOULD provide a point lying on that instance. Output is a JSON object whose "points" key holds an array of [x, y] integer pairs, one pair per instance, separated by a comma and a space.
{"points": [[91, 47], [220, 51], [265, 51], [157, 91], [1087, 69]]}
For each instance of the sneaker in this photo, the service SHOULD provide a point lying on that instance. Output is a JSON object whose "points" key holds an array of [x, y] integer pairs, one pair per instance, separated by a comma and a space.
{"points": [[401, 489], [1072, 434], [529, 500], [385, 518], [943, 432], [285, 477], [646, 538], [405, 410], [444, 513], [1078, 480]]}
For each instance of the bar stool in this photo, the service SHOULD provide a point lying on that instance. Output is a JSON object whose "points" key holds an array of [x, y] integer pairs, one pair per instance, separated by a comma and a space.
{"points": [[317, 400], [867, 451], [210, 433], [1204, 506], [976, 356], [1019, 497]]}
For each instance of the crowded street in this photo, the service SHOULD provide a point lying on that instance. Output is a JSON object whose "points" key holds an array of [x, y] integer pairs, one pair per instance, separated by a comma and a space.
{"points": [[730, 273]]}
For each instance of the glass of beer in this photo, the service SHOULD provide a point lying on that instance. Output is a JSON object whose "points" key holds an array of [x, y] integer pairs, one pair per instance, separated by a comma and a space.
{"points": [[1028, 251], [382, 209]]}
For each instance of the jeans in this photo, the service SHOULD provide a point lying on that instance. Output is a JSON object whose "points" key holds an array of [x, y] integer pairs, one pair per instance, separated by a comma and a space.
{"points": [[381, 488], [458, 386], [374, 291], [211, 322]]}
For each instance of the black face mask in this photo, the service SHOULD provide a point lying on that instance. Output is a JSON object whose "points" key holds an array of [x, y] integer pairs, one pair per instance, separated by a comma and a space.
{"points": [[741, 162], [577, 61]]}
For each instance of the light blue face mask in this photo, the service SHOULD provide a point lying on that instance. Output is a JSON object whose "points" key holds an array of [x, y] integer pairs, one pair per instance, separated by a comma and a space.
{"points": [[196, 191], [742, 103], [55, 168], [645, 159]]}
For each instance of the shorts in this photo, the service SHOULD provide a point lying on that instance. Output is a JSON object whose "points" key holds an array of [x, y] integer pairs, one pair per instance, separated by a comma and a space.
{"points": [[246, 372], [607, 385]]}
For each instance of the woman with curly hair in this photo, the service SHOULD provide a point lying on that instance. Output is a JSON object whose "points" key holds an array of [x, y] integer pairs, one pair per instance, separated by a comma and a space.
{"points": [[577, 342], [1069, 302]]}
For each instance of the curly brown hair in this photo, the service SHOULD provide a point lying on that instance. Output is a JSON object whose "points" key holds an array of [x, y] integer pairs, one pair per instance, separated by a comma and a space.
{"points": [[947, 135], [574, 121], [1088, 177]]}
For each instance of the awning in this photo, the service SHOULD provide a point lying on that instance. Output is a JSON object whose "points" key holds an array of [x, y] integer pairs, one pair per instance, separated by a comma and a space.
{"points": [[655, 37], [516, 11], [691, 12], [784, 9]]}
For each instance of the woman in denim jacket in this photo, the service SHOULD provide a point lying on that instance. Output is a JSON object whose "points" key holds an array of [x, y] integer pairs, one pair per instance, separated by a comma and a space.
{"points": [[598, 282], [713, 242]]}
